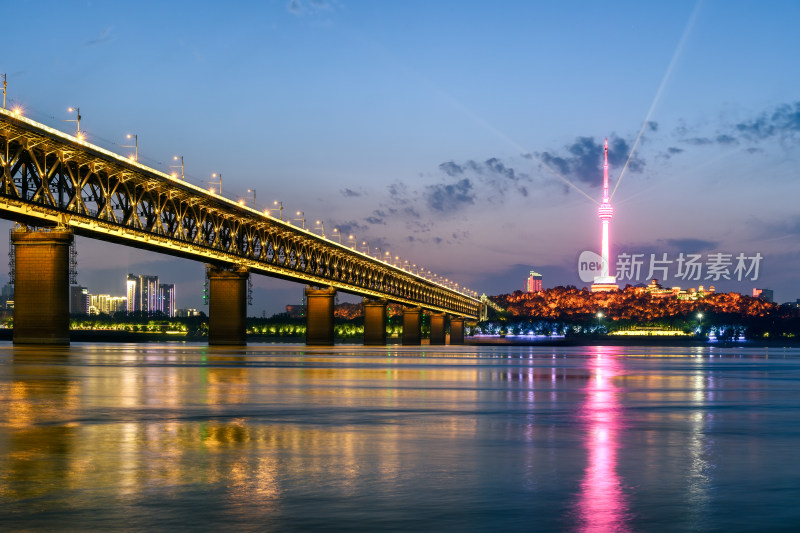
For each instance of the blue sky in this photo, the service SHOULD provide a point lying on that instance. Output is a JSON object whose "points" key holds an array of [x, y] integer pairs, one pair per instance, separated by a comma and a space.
{"points": [[443, 131]]}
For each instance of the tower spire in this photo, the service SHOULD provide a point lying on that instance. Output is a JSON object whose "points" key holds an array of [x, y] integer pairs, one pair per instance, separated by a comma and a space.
{"points": [[605, 174], [605, 281]]}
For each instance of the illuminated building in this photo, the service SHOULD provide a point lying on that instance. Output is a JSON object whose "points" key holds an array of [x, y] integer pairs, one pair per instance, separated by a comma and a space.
{"points": [[534, 282], [605, 281], [166, 298], [764, 294], [106, 304], [146, 295]]}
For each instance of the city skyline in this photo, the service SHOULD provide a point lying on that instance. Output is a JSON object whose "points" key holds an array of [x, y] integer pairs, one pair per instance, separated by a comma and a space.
{"points": [[467, 140]]}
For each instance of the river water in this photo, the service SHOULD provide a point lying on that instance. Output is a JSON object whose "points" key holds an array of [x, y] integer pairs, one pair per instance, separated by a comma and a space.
{"points": [[286, 437]]}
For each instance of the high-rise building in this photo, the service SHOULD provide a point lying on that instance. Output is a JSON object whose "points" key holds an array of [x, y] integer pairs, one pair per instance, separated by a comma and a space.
{"points": [[534, 282], [166, 298], [7, 296], [605, 281], [764, 294], [143, 294], [78, 300]]}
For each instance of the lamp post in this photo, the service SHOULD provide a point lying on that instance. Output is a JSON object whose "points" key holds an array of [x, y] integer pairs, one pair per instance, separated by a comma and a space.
{"points": [[175, 158], [5, 84], [365, 244], [599, 320], [351, 239], [254, 196], [302, 218], [337, 234], [700, 322], [321, 227], [280, 208], [135, 145], [218, 177], [77, 119]]}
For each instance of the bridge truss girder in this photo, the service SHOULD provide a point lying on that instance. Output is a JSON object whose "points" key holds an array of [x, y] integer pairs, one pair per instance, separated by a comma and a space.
{"points": [[52, 178]]}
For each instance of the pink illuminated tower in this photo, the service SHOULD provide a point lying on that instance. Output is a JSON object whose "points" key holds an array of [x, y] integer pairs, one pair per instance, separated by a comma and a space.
{"points": [[605, 281]]}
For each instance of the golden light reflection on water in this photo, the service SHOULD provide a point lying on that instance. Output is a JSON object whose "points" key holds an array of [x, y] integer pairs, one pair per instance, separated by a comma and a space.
{"points": [[258, 428], [161, 425]]}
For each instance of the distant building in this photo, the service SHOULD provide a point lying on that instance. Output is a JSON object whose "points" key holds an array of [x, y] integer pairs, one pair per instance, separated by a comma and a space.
{"points": [[296, 311], [78, 300], [656, 290], [105, 304], [534, 282], [143, 293], [7, 296], [187, 312], [166, 298], [764, 294]]}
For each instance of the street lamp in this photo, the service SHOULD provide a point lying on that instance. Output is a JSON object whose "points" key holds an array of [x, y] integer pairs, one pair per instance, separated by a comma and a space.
{"points": [[365, 244], [280, 208], [218, 177], [175, 158], [135, 145], [321, 227], [302, 218], [77, 111], [254, 196], [5, 84], [351, 239], [337, 234]]}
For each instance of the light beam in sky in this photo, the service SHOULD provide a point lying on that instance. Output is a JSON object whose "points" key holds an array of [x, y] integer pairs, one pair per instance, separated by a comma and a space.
{"points": [[657, 97]]}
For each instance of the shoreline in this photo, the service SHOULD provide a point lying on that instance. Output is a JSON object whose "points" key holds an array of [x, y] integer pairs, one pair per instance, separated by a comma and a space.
{"points": [[645, 340]]}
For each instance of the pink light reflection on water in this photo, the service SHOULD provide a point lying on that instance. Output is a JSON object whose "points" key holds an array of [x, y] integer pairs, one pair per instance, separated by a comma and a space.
{"points": [[602, 504]]}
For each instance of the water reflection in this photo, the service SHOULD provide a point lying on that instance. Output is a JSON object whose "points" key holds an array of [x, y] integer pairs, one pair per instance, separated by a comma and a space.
{"points": [[602, 503]]}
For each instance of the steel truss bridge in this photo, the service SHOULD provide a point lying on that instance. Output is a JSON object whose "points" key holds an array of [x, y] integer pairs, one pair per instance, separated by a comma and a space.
{"points": [[52, 178]]}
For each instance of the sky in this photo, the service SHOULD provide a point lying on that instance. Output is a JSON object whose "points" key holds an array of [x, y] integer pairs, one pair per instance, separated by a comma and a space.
{"points": [[462, 136]]}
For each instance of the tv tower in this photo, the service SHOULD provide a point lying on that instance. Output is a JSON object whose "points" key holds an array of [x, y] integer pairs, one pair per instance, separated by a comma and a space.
{"points": [[605, 282]]}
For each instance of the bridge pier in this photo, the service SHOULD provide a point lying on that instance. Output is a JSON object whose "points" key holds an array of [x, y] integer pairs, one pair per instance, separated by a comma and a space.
{"points": [[456, 330], [374, 322], [412, 332], [319, 316], [227, 306], [41, 286], [437, 329]]}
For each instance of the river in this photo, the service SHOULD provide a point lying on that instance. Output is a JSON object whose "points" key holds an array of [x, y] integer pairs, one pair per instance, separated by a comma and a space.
{"points": [[287, 437]]}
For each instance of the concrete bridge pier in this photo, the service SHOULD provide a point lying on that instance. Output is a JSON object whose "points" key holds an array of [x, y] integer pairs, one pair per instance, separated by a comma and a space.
{"points": [[374, 322], [227, 306], [456, 330], [412, 331], [41, 286], [319, 316], [437, 329]]}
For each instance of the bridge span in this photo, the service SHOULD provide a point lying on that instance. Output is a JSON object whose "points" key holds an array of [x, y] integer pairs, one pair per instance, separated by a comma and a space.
{"points": [[65, 185]]}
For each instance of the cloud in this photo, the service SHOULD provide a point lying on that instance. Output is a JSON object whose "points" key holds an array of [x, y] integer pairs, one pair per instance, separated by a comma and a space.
{"points": [[690, 245], [300, 7], [350, 193], [449, 197], [106, 36], [672, 150], [782, 121], [583, 159]]}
